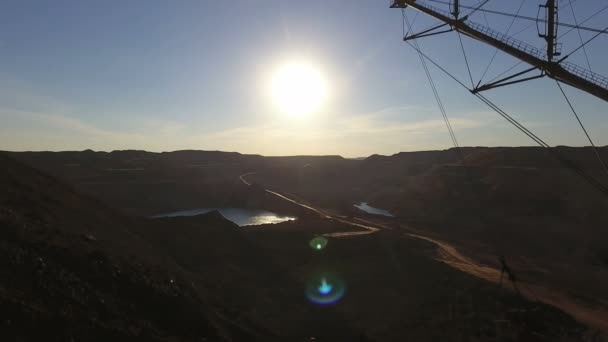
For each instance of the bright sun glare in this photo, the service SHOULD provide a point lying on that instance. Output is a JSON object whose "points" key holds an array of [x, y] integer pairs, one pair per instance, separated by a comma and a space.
{"points": [[298, 89]]}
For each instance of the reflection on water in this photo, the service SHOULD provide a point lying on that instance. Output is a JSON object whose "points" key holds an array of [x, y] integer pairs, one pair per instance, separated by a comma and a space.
{"points": [[371, 210], [240, 216]]}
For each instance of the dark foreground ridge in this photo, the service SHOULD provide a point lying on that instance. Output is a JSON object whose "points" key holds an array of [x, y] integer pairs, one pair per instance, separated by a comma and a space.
{"points": [[75, 269]]}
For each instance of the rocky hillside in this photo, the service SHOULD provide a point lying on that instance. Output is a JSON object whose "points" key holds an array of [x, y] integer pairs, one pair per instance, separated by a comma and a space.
{"points": [[74, 270]]}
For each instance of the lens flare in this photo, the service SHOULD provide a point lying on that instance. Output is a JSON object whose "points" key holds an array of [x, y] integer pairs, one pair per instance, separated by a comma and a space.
{"points": [[325, 289], [318, 243]]}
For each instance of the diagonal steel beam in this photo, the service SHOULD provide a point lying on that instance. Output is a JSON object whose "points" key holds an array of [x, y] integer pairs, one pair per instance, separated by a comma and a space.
{"points": [[552, 69]]}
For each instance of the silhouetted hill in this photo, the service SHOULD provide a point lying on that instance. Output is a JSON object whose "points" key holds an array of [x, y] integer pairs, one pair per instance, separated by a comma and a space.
{"points": [[520, 202], [129, 180], [73, 269]]}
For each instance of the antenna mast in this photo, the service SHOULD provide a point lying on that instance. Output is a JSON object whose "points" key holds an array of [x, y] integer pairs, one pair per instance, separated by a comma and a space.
{"points": [[551, 29], [559, 70]]}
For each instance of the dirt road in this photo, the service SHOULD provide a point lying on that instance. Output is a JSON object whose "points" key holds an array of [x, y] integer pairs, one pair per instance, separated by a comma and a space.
{"points": [[448, 254], [368, 229]]}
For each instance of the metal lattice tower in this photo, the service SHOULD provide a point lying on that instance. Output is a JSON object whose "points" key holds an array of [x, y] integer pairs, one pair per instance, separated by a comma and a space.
{"points": [[544, 61]]}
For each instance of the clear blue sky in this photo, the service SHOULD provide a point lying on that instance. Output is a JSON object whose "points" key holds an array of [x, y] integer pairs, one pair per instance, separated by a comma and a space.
{"points": [[168, 75]]}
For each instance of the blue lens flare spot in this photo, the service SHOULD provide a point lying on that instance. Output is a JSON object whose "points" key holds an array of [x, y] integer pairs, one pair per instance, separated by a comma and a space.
{"points": [[325, 289]]}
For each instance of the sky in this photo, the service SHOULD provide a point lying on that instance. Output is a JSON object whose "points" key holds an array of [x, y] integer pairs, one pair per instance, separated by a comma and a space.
{"points": [[171, 75]]}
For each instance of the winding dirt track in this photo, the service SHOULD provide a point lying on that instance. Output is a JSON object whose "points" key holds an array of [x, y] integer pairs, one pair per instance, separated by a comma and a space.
{"points": [[242, 178], [449, 255], [368, 229]]}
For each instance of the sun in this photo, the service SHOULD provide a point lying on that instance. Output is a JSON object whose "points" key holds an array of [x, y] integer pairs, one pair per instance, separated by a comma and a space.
{"points": [[298, 89]]}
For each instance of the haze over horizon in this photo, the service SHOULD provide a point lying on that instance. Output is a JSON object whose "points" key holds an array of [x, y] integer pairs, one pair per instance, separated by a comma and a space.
{"points": [[327, 170], [203, 76]]}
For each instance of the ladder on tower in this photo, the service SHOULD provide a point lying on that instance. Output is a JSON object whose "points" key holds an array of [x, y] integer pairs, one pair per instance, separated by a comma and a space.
{"points": [[560, 70]]}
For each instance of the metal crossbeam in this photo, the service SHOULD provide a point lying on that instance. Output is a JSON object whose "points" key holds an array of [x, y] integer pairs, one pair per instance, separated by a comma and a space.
{"points": [[584, 80]]}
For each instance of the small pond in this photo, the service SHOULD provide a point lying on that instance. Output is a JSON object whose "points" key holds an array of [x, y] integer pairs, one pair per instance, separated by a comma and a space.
{"points": [[371, 210], [240, 216]]}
